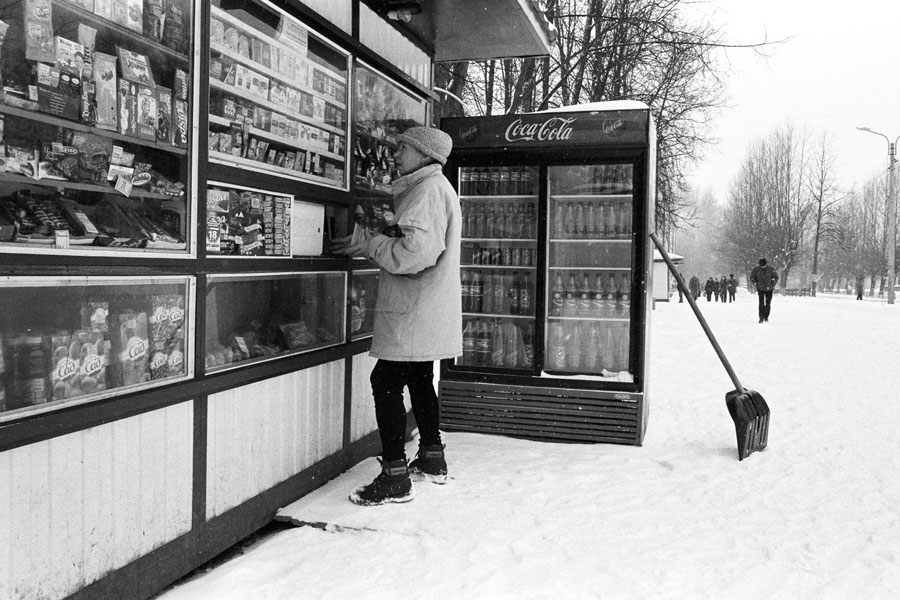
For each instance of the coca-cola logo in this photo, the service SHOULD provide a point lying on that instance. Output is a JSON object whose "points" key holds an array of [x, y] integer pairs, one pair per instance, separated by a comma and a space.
{"points": [[554, 129], [613, 127], [469, 134]]}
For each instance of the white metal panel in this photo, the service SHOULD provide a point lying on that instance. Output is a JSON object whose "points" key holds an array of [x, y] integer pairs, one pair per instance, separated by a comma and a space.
{"points": [[264, 433], [75, 507], [381, 37], [338, 13], [362, 406]]}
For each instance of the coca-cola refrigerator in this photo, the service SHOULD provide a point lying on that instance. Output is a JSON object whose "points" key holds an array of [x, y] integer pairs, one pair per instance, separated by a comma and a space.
{"points": [[556, 263]]}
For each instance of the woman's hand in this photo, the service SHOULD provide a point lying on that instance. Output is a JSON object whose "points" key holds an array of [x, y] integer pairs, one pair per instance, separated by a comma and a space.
{"points": [[346, 247]]}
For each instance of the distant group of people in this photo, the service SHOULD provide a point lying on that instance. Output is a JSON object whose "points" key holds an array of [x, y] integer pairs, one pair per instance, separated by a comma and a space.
{"points": [[763, 277], [723, 289]]}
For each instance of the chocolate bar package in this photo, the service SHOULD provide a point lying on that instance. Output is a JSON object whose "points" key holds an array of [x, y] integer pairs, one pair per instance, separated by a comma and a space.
{"points": [[147, 112], [128, 113], [180, 123], [104, 79], [135, 67], [39, 31]]}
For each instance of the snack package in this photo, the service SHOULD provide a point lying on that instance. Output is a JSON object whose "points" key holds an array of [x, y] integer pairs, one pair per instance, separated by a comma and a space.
{"points": [[175, 28], [131, 347], [119, 12], [135, 67], [84, 156], [22, 159], [94, 316], [39, 31], [134, 15], [103, 8], [163, 114], [66, 362], [51, 154], [127, 97], [181, 87], [87, 37], [147, 112], [180, 123], [159, 362], [104, 79], [95, 356]]}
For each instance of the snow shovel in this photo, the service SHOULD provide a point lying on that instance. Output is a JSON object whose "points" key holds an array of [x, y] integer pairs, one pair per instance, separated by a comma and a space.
{"points": [[748, 409]]}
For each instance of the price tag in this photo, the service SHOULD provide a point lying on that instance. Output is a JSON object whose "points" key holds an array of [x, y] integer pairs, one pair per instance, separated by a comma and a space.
{"points": [[124, 186]]}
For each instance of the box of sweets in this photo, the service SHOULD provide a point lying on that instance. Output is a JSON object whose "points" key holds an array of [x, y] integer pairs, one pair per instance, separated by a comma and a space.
{"points": [[147, 112], [130, 347], [128, 108]]}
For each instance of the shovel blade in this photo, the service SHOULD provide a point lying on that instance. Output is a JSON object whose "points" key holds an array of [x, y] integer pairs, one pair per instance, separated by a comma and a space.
{"points": [[750, 413]]}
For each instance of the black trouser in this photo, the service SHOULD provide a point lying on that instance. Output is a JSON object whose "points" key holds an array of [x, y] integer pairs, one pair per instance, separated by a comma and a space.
{"points": [[731, 295], [765, 304], [388, 380]]}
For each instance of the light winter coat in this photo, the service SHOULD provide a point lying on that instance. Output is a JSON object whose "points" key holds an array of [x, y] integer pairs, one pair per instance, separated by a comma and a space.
{"points": [[764, 278], [418, 314]]}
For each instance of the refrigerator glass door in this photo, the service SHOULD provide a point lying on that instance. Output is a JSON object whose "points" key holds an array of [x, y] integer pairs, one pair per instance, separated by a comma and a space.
{"points": [[589, 267], [499, 255]]}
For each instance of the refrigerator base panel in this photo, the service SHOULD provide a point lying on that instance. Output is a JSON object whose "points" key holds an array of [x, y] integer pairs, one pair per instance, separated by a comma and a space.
{"points": [[542, 413]]}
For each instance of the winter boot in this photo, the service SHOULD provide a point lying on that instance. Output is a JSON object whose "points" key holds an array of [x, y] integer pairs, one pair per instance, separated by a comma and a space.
{"points": [[391, 485], [429, 464]]}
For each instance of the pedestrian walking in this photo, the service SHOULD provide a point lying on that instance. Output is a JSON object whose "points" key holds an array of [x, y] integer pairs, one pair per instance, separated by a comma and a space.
{"points": [[680, 293], [418, 314], [764, 277], [708, 288], [732, 287], [723, 289], [694, 287], [859, 287]]}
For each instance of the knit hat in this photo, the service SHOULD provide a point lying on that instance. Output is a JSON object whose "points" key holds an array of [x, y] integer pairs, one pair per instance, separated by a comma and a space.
{"points": [[429, 141]]}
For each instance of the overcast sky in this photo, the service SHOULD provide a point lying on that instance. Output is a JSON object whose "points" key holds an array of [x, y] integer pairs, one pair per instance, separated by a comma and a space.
{"points": [[839, 70]]}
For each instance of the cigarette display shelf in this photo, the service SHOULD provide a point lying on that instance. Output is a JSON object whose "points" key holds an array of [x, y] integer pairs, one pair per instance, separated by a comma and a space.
{"points": [[119, 34], [246, 163], [76, 126], [262, 133]]}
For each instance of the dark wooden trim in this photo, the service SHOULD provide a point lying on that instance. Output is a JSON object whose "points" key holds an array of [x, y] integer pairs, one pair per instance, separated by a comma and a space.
{"points": [[201, 430]]}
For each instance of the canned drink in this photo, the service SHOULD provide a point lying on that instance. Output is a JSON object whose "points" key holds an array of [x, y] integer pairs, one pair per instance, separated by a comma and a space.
{"points": [[517, 257], [526, 258], [507, 256]]}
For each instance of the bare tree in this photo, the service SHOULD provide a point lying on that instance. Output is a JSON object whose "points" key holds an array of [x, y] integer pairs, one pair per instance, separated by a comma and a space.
{"points": [[615, 50], [825, 194], [769, 209]]}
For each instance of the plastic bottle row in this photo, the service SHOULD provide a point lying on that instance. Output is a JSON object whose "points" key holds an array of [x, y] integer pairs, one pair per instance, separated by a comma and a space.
{"points": [[488, 219], [592, 219], [497, 293], [492, 343], [587, 347], [604, 296], [502, 256], [497, 181]]}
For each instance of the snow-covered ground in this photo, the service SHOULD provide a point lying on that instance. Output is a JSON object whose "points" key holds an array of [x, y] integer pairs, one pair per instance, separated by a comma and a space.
{"points": [[814, 516]]}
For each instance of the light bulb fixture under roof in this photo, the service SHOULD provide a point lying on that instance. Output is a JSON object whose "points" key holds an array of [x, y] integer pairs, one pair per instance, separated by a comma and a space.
{"points": [[402, 10]]}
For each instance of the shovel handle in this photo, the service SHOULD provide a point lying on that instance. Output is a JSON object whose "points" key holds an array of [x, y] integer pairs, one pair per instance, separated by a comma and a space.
{"points": [[696, 309]]}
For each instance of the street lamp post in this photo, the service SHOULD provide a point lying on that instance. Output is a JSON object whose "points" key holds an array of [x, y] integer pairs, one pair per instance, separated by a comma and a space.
{"points": [[890, 214]]}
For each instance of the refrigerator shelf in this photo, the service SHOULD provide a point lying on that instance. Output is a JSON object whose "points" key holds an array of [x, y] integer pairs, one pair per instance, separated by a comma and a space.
{"points": [[499, 316], [502, 267], [494, 239], [589, 318], [628, 197], [499, 197], [591, 241]]}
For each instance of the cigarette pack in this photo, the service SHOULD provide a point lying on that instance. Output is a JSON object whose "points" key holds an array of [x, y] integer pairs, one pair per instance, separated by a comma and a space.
{"points": [[179, 123]]}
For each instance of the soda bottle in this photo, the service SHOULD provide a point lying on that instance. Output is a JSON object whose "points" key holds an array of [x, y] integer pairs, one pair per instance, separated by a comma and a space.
{"points": [[490, 222], [470, 333], [465, 284], [513, 294], [527, 182], [465, 182], [512, 342], [559, 221], [570, 221], [601, 220], [515, 181], [570, 303], [584, 297], [556, 354], [573, 346], [531, 223], [503, 187], [625, 220], [579, 220], [527, 354], [611, 294], [511, 221], [498, 351], [590, 221], [487, 298], [519, 227], [501, 305], [483, 344], [612, 220], [557, 297], [621, 296], [592, 350], [526, 296], [598, 297], [494, 188], [477, 293], [625, 288]]}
